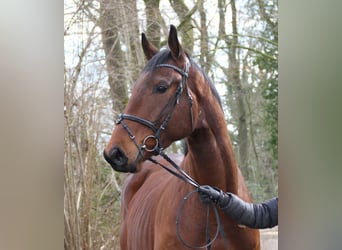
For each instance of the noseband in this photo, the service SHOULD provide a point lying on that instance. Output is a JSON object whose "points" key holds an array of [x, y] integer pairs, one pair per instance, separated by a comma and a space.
{"points": [[152, 143]]}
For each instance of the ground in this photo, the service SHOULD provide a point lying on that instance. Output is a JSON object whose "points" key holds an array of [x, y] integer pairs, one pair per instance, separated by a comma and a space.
{"points": [[269, 239]]}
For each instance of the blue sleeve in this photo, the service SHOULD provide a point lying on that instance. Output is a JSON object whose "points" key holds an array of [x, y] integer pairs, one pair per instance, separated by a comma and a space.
{"points": [[259, 215], [266, 214]]}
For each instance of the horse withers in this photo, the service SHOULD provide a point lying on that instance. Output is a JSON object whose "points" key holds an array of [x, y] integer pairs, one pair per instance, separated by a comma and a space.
{"points": [[174, 99]]}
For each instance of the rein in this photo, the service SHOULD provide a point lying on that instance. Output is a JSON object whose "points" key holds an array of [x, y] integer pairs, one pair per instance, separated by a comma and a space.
{"points": [[217, 216], [185, 177], [158, 149]]}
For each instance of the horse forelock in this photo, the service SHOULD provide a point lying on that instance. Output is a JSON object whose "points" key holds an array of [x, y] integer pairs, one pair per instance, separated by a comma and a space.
{"points": [[161, 57]]}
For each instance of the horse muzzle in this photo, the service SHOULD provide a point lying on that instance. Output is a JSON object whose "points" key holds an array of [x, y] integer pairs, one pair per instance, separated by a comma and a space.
{"points": [[118, 160]]}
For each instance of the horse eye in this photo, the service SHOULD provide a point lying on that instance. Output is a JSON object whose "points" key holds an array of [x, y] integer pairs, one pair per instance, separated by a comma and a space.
{"points": [[161, 89]]}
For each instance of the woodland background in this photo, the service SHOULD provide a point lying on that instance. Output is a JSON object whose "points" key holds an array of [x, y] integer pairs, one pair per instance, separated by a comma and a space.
{"points": [[236, 43]]}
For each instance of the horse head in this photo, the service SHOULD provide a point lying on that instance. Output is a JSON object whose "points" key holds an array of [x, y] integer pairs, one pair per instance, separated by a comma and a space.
{"points": [[161, 109]]}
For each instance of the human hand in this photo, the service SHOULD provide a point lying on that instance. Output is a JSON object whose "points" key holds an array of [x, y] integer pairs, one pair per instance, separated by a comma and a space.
{"points": [[208, 193]]}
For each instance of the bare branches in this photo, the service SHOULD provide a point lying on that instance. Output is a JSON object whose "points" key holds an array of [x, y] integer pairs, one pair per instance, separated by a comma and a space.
{"points": [[85, 103]]}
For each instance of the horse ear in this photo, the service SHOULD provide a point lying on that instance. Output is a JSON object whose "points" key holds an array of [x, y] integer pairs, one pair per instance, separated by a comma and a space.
{"points": [[173, 42], [149, 49]]}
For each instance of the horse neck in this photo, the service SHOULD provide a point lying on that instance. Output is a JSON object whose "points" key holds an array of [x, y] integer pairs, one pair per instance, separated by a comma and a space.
{"points": [[210, 159]]}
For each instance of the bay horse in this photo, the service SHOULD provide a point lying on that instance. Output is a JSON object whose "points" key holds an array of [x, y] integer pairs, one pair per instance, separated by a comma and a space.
{"points": [[174, 99]]}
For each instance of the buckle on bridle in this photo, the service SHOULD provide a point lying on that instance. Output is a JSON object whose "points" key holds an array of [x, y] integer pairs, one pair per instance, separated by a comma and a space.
{"points": [[119, 119], [150, 143]]}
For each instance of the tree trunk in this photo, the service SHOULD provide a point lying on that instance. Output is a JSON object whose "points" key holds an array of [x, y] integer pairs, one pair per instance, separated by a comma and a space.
{"points": [[234, 76], [110, 26], [135, 55], [204, 41], [185, 27], [154, 22]]}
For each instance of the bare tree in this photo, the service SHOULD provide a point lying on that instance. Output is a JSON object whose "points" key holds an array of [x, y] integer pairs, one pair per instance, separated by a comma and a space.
{"points": [[110, 12], [234, 71], [185, 27], [234, 82], [154, 22], [85, 98], [136, 58]]}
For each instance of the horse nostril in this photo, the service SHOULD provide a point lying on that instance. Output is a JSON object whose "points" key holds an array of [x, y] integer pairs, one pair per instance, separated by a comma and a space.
{"points": [[116, 157]]}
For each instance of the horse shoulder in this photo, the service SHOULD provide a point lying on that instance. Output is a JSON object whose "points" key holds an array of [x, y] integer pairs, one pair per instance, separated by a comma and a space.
{"points": [[132, 184]]}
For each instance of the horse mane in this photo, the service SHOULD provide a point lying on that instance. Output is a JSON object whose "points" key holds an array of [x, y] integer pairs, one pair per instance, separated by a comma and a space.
{"points": [[208, 80], [165, 54]]}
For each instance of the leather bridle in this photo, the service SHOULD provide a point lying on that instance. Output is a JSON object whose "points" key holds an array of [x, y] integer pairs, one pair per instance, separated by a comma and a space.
{"points": [[155, 138]]}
